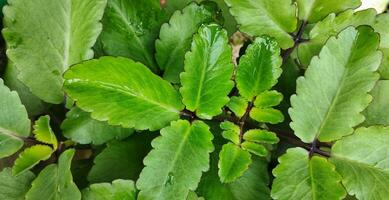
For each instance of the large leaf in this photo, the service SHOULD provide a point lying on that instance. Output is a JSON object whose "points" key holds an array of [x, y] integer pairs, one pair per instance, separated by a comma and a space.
{"points": [[265, 17], [316, 10], [121, 159], [233, 162], [130, 28], [45, 37], [259, 68], [31, 157], [300, 177], [55, 182], [176, 36], [123, 92], [14, 122], [331, 26], [80, 127], [176, 163], [362, 160], [334, 91], [381, 26], [206, 81], [14, 187], [118, 190], [377, 112]]}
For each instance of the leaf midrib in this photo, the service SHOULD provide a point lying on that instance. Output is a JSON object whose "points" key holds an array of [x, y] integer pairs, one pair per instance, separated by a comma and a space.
{"points": [[9, 133]]}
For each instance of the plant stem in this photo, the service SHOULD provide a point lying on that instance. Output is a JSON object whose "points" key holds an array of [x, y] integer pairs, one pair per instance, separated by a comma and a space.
{"points": [[244, 118], [297, 40]]}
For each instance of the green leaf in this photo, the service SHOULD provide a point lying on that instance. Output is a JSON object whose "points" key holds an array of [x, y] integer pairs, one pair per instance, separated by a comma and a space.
{"points": [[55, 181], [118, 190], [331, 26], [364, 169], [266, 18], [80, 127], [267, 115], [132, 96], [315, 10], [381, 26], [121, 159], [193, 196], [14, 187], [254, 148], [130, 28], [334, 91], [238, 105], [259, 68], [31, 157], [377, 111], [169, 174], [230, 131], [268, 99], [300, 177], [206, 81], [43, 133], [261, 136], [233, 162], [176, 36], [45, 37], [14, 122]]}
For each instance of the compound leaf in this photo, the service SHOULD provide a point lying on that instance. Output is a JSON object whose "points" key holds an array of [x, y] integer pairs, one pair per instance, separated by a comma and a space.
{"points": [[365, 170], [233, 162], [206, 81], [31, 157], [230, 131], [14, 187], [130, 28], [14, 122], [266, 18], [175, 165], [259, 68], [80, 127], [301, 177], [55, 181], [131, 96], [176, 36], [118, 190], [45, 37], [334, 91]]}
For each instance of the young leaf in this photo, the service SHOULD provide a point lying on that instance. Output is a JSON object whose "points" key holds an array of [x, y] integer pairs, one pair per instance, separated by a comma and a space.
{"points": [[206, 81], [176, 36], [81, 128], [377, 112], [55, 181], [259, 68], [254, 148], [43, 133], [14, 187], [118, 190], [121, 159], [31, 157], [45, 37], [334, 91], [266, 18], [365, 169], [238, 105], [268, 99], [331, 26], [176, 163], [381, 26], [131, 96], [267, 115], [230, 131], [261, 136], [315, 10], [301, 177], [14, 122], [233, 162], [130, 28]]}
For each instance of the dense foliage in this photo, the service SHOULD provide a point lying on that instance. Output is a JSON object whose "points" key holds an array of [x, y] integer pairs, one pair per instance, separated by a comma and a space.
{"points": [[182, 100]]}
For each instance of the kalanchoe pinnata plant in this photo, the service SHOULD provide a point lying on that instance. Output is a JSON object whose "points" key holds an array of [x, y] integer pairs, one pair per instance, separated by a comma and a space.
{"points": [[189, 100]]}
